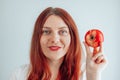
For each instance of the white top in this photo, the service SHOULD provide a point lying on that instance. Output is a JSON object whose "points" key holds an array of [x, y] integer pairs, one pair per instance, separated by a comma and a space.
{"points": [[21, 73]]}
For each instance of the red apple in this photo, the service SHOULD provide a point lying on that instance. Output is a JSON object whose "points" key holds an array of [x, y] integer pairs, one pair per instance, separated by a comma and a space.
{"points": [[94, 37]]}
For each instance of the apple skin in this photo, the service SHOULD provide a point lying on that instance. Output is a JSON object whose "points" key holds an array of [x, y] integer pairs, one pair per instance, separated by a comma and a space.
{"points": [[94, 37]]}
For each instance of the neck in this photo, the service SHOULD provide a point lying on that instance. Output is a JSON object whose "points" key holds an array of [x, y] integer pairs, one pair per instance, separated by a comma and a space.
{"points": [[54, 66]]}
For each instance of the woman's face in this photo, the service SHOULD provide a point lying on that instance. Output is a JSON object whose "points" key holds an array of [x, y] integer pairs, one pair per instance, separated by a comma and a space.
{"points": [[55, 39]]}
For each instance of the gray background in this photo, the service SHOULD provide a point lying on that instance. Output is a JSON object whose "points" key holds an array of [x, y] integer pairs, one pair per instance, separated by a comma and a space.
{"points": [[17, 18]]}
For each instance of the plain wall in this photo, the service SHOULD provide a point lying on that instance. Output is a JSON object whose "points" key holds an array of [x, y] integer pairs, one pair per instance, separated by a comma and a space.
{"points": [[17, 18]]}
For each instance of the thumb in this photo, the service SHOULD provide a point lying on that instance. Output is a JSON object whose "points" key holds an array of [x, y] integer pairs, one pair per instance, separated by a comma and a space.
{"points": [[88, 52]]}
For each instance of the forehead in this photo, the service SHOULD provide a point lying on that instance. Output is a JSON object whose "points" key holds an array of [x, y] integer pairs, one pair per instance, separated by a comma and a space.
{"points": [[55, 21]]}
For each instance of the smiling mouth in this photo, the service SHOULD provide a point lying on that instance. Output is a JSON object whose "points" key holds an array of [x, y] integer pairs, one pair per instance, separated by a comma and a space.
{"points": [[54, 48]]}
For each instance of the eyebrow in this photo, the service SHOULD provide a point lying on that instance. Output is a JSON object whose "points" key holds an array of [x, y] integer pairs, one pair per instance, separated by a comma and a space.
{"points": [[58, 28], [46, 27]]}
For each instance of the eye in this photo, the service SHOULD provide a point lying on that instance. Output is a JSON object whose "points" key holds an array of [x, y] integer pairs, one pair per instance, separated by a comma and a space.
{"points": [[63, 32], [46, 32]]}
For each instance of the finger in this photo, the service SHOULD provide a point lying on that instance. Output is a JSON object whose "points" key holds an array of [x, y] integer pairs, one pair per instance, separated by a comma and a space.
{"points": [[95, 51], [99, 59], [100, 49], [97, 55], [87, 48], [104, 61]]}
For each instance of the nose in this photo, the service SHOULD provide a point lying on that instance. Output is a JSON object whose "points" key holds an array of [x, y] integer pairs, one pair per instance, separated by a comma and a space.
{"points": [[55, 38]]}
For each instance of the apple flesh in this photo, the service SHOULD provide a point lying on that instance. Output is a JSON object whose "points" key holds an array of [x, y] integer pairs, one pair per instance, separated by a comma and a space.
{"points": [[94, 37]]}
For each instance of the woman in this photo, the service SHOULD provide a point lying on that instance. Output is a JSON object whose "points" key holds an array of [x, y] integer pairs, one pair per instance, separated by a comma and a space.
{"points": [[56, 51]]}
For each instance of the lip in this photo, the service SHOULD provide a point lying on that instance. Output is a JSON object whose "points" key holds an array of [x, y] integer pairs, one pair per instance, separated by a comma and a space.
{"points": [[54, 48]]}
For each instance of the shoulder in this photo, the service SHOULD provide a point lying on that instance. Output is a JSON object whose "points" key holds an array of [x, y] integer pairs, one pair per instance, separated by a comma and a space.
{"points": [[21, 73]]}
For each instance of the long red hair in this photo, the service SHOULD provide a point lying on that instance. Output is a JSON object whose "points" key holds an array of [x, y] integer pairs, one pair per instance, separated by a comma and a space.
{"points": [[70, 67]]}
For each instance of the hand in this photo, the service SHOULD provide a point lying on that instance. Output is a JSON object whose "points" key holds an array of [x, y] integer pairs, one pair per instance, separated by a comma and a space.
{"points": [[94, 64]]}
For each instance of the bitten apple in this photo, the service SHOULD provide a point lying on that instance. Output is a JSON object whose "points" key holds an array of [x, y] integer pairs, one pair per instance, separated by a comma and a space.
{"points": [[94, 37]]}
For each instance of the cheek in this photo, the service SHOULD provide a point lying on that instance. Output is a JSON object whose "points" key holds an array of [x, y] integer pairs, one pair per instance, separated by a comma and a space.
{"points": [[67, 41], [43, 41]]}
